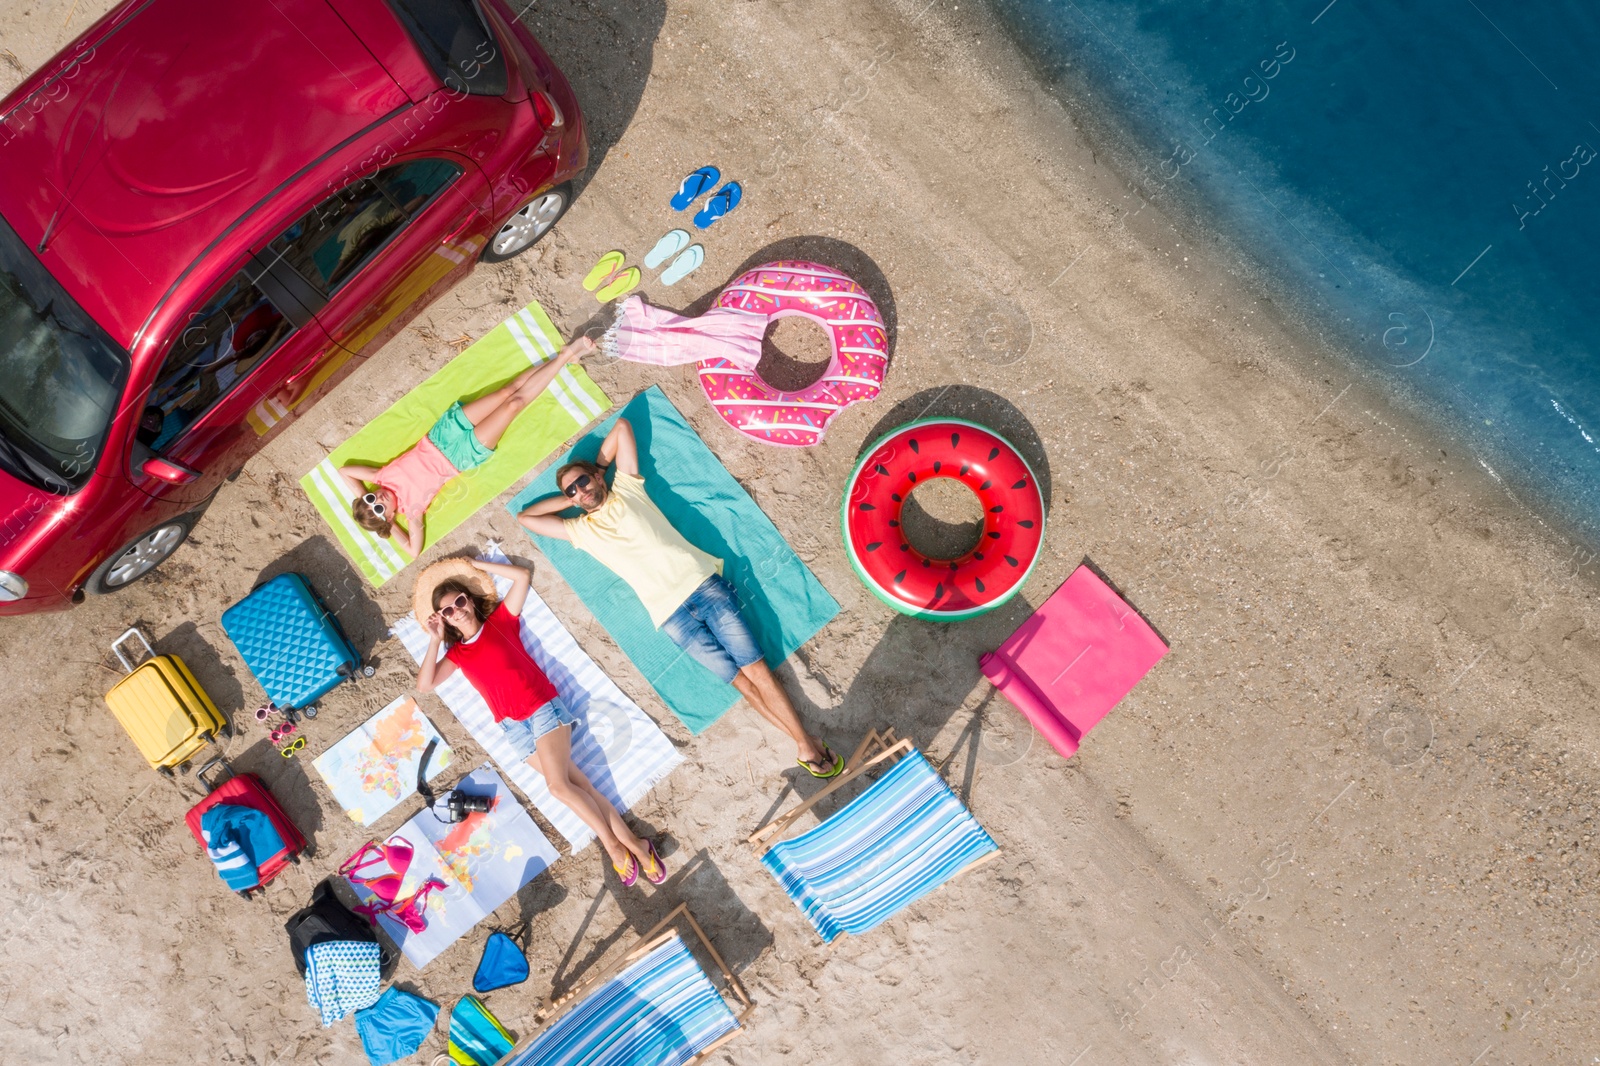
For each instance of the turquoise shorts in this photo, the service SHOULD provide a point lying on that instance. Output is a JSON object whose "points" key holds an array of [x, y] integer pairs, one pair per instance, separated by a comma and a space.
{"points": [[454, 438]]}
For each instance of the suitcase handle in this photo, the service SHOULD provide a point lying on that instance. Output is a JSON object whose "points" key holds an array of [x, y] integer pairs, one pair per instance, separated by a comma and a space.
{"points": [[116, 647], [219, 764]]}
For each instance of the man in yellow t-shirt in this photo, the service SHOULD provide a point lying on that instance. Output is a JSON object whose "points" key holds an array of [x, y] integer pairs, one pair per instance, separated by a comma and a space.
{"points": [[680, 586]]}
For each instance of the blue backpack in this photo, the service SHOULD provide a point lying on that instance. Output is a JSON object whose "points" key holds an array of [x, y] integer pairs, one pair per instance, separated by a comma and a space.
{"points": [[504, 963]]}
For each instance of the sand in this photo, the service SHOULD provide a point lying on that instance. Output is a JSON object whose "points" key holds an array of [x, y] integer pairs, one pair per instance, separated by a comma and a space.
{"points": [[1349, 818]]}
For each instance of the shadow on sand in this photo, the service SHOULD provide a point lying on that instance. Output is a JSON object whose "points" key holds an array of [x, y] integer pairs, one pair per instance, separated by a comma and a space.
{"points": [[922, 675], [975, 405], [606, 49], [739, 936]]}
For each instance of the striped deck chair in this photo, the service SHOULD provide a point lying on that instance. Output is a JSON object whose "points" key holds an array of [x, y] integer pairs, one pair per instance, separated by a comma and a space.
{"points": [[655, 1006], [899, 840]]}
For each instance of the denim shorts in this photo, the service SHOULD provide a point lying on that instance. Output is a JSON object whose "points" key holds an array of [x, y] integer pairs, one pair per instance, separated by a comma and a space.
{"points": [[710, 628], [523, 733]]}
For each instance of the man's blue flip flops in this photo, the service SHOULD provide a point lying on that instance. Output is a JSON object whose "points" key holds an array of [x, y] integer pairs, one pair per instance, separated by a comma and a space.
{"points": [[726, 199], [695, 186]]}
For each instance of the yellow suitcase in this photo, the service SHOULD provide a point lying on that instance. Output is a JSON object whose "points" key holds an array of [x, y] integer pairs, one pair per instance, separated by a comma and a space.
{"points": [[163, 708]]}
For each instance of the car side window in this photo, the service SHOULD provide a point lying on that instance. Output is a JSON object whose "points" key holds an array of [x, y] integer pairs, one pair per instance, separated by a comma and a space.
{"points": [[223, 341], [412, 185], [329, 243]]}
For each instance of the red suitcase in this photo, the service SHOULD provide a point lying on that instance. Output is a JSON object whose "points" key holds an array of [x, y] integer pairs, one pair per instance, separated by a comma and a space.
{"points": [[248, 790]]}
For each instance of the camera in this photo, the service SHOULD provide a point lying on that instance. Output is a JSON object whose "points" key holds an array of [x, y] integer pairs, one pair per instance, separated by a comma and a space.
{"points": [[457, 804], [461, 804]]}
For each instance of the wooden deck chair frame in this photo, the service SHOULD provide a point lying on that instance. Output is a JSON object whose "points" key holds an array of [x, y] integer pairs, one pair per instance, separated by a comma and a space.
{"points": [[647, 943], [878, 747]]}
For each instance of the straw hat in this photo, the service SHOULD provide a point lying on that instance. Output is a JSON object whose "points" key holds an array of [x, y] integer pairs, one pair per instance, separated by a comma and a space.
{"points": [[456, 568]]}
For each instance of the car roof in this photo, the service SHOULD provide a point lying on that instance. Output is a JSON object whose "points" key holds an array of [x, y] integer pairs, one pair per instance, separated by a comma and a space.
{"points": [[180, 118]]}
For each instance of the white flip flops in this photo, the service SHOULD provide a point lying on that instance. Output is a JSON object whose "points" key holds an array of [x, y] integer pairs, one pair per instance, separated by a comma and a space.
{"points": [[684, 265], [668, 246]]}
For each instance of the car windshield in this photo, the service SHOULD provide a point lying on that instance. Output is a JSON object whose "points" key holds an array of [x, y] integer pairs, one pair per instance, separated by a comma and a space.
{"points": [[60, 375]]}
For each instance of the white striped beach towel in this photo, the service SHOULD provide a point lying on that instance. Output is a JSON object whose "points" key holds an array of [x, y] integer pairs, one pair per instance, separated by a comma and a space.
{"points": [[615, 743]]}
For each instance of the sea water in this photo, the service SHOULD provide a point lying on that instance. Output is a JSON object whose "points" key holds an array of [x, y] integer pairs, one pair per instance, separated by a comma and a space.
{"points": [[1421, 178]]}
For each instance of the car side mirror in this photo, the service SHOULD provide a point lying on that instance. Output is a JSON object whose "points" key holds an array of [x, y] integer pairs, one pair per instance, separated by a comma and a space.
{"points": [[167, 470]]}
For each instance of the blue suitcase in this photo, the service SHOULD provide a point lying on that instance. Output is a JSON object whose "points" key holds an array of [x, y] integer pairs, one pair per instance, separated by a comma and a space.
{"points": [[292, 643]]}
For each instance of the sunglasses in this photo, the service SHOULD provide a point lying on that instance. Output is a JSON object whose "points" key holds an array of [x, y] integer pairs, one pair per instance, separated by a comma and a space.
{"points": [[371, 500], [294, 746], [457, 604], [579, 483]]}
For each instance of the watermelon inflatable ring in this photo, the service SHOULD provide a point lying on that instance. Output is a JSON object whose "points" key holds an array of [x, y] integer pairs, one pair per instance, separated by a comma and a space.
{"points": [[944, 590]]}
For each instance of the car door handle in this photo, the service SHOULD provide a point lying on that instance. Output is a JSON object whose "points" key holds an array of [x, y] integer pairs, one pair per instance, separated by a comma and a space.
{"points": [[306, 371]]}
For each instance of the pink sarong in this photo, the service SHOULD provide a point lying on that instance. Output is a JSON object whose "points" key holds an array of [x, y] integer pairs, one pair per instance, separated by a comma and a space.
{"points": [[646, 334]]}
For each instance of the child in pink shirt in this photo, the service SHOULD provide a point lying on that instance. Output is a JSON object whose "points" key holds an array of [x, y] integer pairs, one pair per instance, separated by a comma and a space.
{"points": [[464, 437]]}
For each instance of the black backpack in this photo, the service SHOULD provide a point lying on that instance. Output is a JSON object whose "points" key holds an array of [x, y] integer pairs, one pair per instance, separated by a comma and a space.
{"points": [[327, 919]]}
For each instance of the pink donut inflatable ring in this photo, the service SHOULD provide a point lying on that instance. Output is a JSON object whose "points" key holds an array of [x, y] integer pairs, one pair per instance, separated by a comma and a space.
{"points": [[855, 374]]}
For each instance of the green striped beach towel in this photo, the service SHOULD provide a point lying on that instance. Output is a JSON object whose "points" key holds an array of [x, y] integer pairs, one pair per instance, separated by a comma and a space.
{"points": [[570, 403]]}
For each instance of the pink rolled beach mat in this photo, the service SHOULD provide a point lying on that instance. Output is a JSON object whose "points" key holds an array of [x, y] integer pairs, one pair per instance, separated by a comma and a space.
{"points": [[1074, 659]]}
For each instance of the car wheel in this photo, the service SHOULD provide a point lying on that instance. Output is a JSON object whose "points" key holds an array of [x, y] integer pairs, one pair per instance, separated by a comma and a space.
{"points": [[141, 556], [523, 229]]}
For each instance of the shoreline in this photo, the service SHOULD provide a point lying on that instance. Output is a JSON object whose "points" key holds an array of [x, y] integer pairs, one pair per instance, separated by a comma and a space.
{"points": [[1230, 269], [1120, 135]]}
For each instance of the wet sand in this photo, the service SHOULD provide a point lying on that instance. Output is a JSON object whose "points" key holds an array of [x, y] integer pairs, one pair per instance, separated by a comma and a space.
{"points": [[1349, 818]]}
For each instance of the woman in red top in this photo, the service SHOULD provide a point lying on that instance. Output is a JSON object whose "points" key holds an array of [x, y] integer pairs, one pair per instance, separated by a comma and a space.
{"points": [[484, 642]]}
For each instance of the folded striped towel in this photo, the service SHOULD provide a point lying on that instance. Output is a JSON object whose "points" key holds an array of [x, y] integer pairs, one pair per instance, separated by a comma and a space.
{"points": [[238, 840]]}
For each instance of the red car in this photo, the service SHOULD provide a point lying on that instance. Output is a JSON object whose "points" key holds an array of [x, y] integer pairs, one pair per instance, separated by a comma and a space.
{"points": [[209, 215]]}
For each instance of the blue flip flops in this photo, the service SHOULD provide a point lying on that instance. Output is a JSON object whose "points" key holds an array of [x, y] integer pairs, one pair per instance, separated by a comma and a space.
{"points": [[694, 186], [684, 265], [668, 246], [726, 199]]}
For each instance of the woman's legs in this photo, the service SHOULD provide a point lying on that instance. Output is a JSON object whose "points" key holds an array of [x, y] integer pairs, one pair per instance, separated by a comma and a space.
{"points": [[630, 840], [567, 783]]}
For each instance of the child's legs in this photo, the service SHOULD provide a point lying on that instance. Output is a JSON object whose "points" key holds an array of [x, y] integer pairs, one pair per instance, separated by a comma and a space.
{"points": [[493, 426], [523, 390], [479, 409]]}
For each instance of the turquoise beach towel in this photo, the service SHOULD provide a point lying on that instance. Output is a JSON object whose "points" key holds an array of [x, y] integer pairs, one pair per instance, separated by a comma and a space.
{"points": [[783, 602]]}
